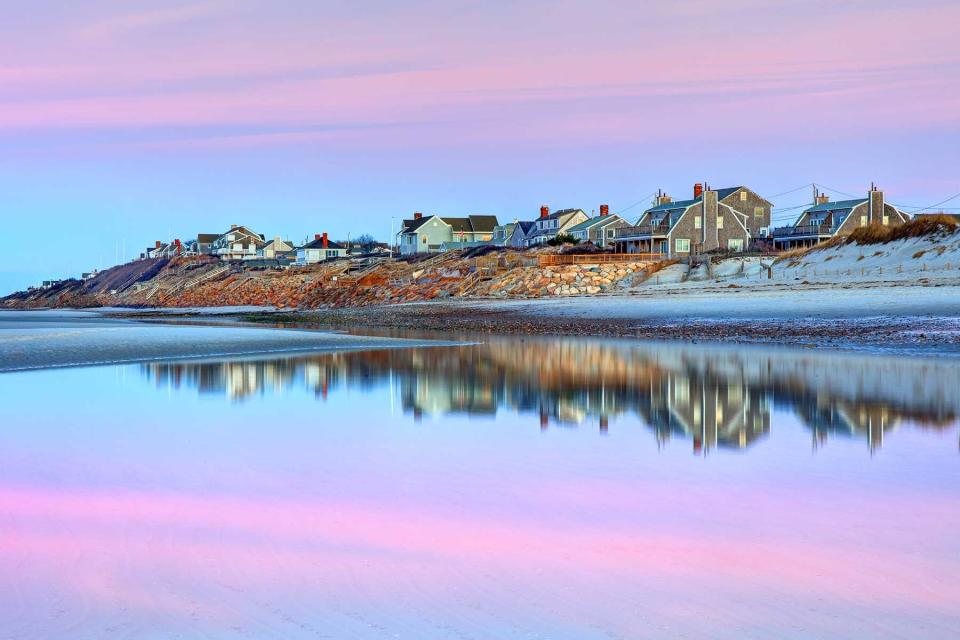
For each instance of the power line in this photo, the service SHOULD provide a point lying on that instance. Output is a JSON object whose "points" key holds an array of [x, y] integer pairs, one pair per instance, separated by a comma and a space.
{"points": [[843, 193], [809, 184], [932, 206], [645, 198]]}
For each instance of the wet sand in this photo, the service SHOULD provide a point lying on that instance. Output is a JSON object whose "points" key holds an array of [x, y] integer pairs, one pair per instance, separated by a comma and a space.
{"points": [[41, 340]]}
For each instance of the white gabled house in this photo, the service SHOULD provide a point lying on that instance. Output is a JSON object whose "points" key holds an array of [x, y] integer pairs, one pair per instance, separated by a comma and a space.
{"points": [[240, 243], [430, 234]]}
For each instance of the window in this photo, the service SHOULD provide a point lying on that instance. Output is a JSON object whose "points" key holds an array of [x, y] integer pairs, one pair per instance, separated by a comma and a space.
{"points": [[743, 196], [611, 233], [697, 222], [681, 245], [863, 221], [720, 221], [758, 212], [424, 239], [886, 220], [735, 244]]}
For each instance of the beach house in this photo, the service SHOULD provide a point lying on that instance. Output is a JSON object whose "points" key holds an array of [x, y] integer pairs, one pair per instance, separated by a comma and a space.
{"points": [[430, 234], [826, 219], [600, 230], [240, 243], [320, 250], [275, 248], [714, 219], [550, 225]]}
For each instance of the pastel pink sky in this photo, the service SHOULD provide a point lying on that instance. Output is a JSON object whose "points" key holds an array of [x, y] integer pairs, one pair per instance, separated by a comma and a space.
{"points": [[151, 119]]}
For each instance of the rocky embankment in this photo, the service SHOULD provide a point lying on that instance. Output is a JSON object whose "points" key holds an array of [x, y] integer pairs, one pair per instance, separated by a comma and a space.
{"points": [[203, 281]]}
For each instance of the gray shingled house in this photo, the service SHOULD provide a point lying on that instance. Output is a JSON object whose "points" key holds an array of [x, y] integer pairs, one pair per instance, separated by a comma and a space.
{"points": [[826, 219], [729, 219]]}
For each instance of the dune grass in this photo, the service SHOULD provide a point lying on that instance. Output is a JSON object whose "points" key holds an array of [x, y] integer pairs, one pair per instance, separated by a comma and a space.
{"points": [[919, 227]]}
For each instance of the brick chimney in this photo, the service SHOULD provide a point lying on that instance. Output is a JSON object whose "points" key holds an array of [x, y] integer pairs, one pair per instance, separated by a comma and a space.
{"points": [[604, 210], [417, 215], [544, 211], [325, 241], [157, 245], [697, 190], [663, 198], [822, 198]]}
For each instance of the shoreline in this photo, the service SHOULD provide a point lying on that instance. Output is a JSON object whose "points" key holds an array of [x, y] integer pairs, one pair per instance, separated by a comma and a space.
{"points": [[912, 324]]}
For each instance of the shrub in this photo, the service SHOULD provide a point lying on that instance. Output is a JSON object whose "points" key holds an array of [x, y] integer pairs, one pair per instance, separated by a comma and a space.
{"points": [[562, 238]]}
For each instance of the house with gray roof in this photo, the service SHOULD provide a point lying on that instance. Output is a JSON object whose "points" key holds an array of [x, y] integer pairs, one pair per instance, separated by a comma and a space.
{"points": [[600, 230], [550, 225], [518, 235], [714, 219], [320, 249], [825, 219], [203, 244], [428, 234]]}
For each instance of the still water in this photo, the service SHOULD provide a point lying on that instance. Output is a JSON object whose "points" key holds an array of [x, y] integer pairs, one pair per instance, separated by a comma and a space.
{"points": [[518, 488]]}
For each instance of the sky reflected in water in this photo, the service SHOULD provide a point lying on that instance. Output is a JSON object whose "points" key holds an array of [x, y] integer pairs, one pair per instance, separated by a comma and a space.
{"points": [[518, 488]]}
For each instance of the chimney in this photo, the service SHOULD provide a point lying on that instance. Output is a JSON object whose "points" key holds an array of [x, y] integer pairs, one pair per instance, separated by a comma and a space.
{"points": [[316, 236], [822, 198], [417, 215], [663, 198], [325, 241], [233, 227], [276, 242], [544, 211], [697, 190], [604, 210], [157, 245]]}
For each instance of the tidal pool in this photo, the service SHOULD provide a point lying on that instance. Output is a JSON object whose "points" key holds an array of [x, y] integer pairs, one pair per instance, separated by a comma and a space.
{"points": [[518, 488]]}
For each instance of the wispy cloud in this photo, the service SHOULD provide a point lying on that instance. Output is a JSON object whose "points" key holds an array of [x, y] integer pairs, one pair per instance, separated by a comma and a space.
{"points": [[133, 23]]}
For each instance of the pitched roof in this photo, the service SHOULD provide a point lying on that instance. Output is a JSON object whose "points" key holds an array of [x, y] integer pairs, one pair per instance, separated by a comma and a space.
{"points": [[560, 213], [722, 194], [587, 224], [833, 206], [670, 206], [318, 244], [483, 223], [412, 224], [470, 224], [524, 225]]}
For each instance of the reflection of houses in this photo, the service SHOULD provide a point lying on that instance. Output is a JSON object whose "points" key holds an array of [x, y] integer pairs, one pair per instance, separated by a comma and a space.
{"points": [[714, 398], [709, 410], [831, 418]]}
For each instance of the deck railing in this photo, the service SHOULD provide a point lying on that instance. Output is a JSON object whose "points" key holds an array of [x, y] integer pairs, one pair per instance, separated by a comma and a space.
{"points": [[550, 260], [803, 230], [642, 230]]}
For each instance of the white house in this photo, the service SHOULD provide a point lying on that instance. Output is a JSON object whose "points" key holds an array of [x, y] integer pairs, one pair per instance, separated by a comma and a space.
{"points": [[240, 243], [321, 249], [429, 234]]}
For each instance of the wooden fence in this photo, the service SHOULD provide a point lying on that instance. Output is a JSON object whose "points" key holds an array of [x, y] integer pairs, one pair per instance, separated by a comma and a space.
{"points": [[550, 260]]}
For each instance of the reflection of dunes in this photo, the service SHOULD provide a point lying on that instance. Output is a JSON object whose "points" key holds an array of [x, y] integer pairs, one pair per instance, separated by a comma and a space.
{"points": [[712, 396]]}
